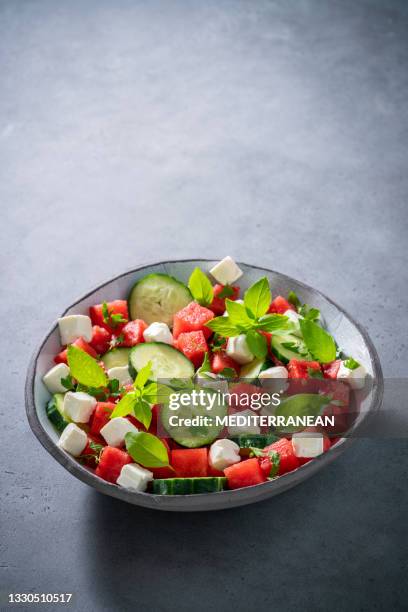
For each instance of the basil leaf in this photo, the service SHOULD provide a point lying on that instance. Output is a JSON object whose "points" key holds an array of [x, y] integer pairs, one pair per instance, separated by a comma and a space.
{"points": [[257, 298], [228, 373], [224, 327], [146, 449], [156, 393], [68, 383], [226, 291], [273, 322], [350, 363], [143, 412], [143, 376], [238, 315], [301, 405], [200, 287], [293, 299], [125, 406], [257, 344], [85, 369], [320, 343]]}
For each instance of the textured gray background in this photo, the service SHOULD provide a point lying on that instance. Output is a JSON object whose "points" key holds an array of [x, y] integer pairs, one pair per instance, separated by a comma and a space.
{"points": [[274, 131]]}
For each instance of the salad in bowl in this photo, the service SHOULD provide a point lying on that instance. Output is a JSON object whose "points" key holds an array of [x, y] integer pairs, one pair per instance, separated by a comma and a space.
{"points": [[193, 386]]}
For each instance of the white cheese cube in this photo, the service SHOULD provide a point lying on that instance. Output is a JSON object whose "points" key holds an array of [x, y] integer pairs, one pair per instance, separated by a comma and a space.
{"points": [[238, 349], [73, 440], [294, 318], [52, 379], [223, 453], [120, 373], [274, 372], [307, 444], [79, 406], [132, 476], [355, 378], [226, 271], [158, 332], [115, 431], [246, 427], [73, 327]]}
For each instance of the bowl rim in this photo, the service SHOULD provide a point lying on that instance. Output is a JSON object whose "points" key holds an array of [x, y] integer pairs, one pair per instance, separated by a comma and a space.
{"points": [[205, 501]]}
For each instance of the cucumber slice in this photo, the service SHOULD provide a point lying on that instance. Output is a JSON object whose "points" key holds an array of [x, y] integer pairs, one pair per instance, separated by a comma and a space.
{"points": [[188, 486], [255, 440], [282, 349], [251, 371], [197, 433], [157, 297], [55, 412], [116, 358], [167, 362]]}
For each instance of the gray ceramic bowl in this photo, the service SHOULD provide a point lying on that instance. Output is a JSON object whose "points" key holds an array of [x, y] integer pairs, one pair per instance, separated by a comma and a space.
{"points": [[350, 336]]}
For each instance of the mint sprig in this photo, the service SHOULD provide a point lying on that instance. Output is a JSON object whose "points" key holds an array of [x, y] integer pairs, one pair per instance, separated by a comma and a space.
{"points": [[200, 287], [111, 319], [226, 291], [350, 363]]}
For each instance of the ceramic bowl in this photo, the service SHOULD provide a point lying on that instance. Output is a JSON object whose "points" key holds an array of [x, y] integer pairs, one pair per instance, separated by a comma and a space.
{"points": [[349, 335]]}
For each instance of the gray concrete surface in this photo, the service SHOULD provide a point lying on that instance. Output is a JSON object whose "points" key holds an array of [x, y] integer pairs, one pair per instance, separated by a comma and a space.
{"points": [[273, 131]]}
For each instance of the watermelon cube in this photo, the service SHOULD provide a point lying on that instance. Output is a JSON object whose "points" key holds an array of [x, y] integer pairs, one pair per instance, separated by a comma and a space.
{"points": [[244, 474], [190, 462], [192, 318], [218, 303], [101, 416], [194, 346], [280, 305], [62, 357], [111, 463]]}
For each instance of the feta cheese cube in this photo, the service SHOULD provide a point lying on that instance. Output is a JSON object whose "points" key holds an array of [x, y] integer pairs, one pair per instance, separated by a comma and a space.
{"points": [[121, 373], [355, 378], [158, 332], [226, 271], [52, 379], [274, 372], [223, 453], [238, 349], [79, 406], [132, 476], [307, 444], [294, 317], [115, 431], [246, 427], [73, 440], [73, 327]]}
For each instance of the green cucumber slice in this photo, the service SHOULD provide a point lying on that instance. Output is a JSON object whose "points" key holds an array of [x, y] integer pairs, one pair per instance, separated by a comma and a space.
{"points": [[157, 297], [200, 433], [188, 486], [284, 352], [55, 412], [251, 370], [167, 362], [116, 358]]}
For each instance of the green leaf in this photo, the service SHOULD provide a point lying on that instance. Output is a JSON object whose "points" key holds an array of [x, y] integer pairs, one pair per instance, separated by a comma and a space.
{"points": [[226, 291], [224, 327], [143, 376], [238, 315], [205, 366], [310, 314], [257, 298], [228, 373], [350, 363], [111, 319], [294, 300], [273, 322], [301, 405], [320, 343], [257, 344], [143, 412], [85, 369], [156, 393], [146, 449], [200, 287], [68, 383], [125, 406]]}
